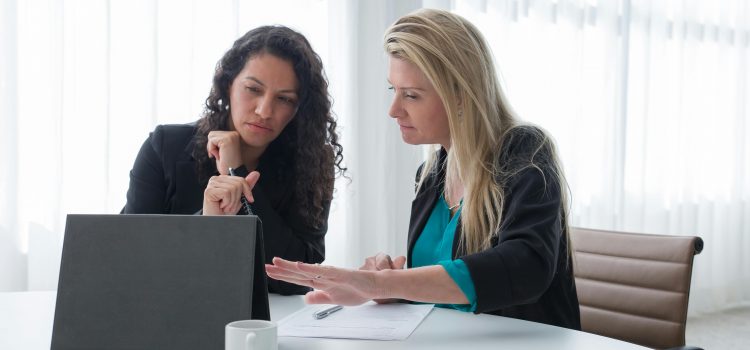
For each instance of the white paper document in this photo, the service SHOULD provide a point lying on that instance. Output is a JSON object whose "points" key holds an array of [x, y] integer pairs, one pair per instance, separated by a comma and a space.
{"points": [[369, 321]]}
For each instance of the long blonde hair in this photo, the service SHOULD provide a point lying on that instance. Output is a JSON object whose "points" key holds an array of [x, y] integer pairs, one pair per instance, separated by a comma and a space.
{"points": [[456, 59]]}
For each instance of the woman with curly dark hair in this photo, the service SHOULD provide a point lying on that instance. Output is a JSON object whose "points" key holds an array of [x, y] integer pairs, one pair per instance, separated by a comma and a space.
{"points": [[269, 113]]}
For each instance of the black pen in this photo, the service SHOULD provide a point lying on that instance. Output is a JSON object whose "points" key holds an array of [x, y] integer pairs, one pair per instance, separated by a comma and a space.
{"points": [[326, 312], [243, 200]]}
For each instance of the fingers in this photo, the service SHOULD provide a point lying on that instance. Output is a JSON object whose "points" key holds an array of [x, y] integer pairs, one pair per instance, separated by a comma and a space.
{"points": [[288, 269], [319, 271], [233, 194], [281, 275], [286, 273], [224, 146], [369, 264], [226, 191], [383, 262], [283, 263], [249, 184], [220, 194], [303, 279], [213, 152], [399, 262], [296, 269], [211, 145]]}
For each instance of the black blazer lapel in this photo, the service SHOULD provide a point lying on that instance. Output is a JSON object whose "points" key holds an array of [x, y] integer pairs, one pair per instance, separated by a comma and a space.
{"points": [[424, 202], [421, 208]]}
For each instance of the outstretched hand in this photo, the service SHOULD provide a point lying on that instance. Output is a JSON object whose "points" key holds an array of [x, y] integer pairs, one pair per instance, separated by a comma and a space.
{"points": [[332, 285]]}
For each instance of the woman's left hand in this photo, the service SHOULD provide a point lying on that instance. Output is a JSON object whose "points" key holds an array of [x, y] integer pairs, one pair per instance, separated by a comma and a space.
{"points": [[222, 194], [381, 262], [332, 285]]}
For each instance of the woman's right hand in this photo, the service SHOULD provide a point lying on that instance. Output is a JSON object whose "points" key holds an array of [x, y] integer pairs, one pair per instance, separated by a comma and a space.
{"points": [[224, 146], [223, 192], [332, 285], [383, 261]]}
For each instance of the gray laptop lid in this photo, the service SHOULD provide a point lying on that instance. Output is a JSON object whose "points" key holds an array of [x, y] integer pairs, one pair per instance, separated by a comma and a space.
{"points": [[157, 281]]}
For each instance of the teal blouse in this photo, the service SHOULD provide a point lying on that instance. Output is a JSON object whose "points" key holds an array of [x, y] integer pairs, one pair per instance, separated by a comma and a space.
{"points": [[435, 247]]}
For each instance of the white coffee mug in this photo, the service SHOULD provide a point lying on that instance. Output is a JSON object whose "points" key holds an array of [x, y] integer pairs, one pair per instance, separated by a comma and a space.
{"points": [[250, 335]]}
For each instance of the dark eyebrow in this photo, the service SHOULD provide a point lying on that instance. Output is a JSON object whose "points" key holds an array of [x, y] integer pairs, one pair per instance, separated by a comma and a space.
{"points": [[288, 91]]}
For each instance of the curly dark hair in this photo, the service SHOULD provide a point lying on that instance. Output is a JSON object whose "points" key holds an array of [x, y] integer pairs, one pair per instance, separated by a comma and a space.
{"points": [[307, 154]]}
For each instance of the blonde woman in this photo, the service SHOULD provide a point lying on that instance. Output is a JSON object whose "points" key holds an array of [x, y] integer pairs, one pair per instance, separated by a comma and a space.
{"points": [[488, 231]]}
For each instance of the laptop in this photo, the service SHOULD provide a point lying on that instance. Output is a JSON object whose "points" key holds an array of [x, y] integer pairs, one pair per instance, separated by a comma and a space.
{"points": [[157, 281]]}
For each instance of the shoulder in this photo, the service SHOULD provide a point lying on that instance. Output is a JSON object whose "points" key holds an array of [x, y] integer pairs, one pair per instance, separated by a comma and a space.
{"points": [[527, 154], [174, 132], [524, 145], [171, 138]]}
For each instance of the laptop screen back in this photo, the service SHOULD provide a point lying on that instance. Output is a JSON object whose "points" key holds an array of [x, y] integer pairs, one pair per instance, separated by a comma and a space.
{"points": [[157, 281]]}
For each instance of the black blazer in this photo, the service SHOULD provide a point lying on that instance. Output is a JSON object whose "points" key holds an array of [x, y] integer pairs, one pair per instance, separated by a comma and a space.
{"points": [[526, 273], [164, 180]]}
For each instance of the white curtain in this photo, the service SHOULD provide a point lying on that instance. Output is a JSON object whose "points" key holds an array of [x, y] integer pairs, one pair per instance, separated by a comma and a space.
{"points": [[649, 102], [371, 212]]}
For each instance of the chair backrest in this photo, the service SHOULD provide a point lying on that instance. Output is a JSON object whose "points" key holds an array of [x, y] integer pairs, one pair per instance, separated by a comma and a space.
{"points": [[634, 287]]}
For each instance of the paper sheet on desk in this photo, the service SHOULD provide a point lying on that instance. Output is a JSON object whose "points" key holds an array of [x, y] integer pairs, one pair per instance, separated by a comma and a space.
{"points": [[369, 321]]}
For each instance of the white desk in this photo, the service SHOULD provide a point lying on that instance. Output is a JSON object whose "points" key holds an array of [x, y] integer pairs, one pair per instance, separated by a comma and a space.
{"points": [[26, 323]]}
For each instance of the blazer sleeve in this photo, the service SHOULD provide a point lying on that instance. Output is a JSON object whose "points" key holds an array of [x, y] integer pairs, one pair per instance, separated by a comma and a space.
{"points": [[289, 238], [146, 193], [519, 268]]}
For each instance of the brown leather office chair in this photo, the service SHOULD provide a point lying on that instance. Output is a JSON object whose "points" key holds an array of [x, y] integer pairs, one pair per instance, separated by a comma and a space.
{"points": [[634, 287]]}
